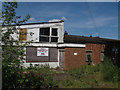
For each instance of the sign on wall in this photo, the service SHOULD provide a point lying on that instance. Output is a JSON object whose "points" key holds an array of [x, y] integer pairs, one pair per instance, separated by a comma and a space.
{"points": [[75, 53], [42, 51]]}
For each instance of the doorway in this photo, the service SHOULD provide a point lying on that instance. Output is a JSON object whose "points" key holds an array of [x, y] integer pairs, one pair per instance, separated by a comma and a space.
{"points": [[61, 58]]}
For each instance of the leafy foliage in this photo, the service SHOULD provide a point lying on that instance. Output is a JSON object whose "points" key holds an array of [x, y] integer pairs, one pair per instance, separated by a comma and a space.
{"points": [[12, 50], [109, 71], [37, 77], [14, 74]]}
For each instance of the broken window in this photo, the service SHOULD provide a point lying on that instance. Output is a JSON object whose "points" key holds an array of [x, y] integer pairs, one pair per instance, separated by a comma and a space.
{"points": [[44, 34], [45, 31], [44, 39], [54, 31], [54, 39], [48, 34]]}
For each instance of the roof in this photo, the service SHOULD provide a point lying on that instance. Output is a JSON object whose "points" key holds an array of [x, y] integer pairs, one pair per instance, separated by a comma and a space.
{"points": [[39, 23], [43, 22], [85, 39]]}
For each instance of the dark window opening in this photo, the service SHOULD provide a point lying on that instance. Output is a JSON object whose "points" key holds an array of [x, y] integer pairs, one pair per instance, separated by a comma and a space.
{"points": [[48, 35], [114, 53], [45, 31], [54, 31], [44, 39], [54, 39], [88, 57]]}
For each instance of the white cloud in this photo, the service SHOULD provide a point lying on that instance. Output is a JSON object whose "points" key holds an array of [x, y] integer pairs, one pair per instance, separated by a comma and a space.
{"points": [[32, 19], [63, 18], [54, 20]]}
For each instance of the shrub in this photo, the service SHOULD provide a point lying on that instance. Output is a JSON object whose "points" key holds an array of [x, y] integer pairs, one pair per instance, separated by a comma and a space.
{"points": [[109, 71], [38, 77], [31, 77]]}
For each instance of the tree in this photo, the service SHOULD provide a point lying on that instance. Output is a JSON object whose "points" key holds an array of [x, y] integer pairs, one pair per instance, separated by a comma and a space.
{"points": [[12, 50]]}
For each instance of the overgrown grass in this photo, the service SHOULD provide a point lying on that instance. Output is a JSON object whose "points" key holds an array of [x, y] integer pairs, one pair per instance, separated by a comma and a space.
{"points": [[104, 75], [109, 71]]}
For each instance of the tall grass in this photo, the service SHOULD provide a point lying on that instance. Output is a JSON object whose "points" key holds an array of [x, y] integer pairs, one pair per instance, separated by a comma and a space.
{"points": [[109, 70], [76, 72]]}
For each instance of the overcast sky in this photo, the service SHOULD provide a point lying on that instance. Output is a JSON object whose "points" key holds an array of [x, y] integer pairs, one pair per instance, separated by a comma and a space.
{"points": [[81, 18]]}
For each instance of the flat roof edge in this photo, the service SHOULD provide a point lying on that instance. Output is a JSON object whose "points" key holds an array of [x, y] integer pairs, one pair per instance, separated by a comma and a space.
{"points": [[37, 23], [71, 45]]}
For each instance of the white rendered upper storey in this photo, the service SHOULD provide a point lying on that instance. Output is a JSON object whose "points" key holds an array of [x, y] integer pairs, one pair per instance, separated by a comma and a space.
{"points": [[45, 32]]}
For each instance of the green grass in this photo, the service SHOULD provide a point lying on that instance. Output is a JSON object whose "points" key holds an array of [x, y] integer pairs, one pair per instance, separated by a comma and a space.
{"points": [[84, 77], [87, 81], [89, 77]]}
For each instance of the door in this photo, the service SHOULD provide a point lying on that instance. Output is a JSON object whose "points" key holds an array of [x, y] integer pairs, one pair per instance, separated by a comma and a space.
{"points": [[61, 58]]}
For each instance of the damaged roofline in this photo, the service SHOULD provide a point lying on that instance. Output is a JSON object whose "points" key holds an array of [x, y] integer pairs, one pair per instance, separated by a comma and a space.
{"points": [[36, 23]]}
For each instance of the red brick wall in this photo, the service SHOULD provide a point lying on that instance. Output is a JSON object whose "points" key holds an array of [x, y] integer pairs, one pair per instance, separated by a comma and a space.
{"points": [[96, 50], [72, 60]]}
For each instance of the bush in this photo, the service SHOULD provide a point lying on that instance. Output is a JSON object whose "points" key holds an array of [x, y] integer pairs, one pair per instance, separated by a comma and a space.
{"points": [[109, 71], [38, 77], [10, 75], [31, 77]]}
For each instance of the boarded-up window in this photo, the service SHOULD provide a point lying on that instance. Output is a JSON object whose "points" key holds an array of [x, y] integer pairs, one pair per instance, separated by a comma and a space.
{"points": [[31, 53], [53, 54], [23, 34]]}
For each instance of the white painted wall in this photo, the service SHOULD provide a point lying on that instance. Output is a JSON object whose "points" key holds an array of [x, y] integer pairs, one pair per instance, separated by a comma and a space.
{"points": [[34, 28], [51, 64], [35, 35]]}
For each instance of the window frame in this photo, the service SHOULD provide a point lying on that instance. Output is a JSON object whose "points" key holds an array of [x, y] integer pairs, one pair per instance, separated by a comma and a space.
{"points": [[88, 52], [50, 35]]}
